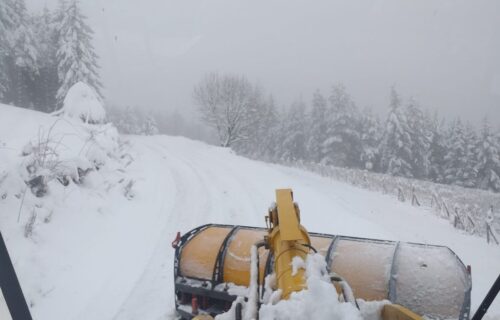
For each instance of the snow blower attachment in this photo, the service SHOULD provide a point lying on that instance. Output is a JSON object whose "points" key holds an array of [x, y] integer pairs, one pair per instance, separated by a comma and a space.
{"points": [[213, 262]]}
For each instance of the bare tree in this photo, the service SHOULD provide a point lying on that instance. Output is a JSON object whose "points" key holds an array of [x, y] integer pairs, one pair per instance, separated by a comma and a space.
{"points": [[228, 103]]}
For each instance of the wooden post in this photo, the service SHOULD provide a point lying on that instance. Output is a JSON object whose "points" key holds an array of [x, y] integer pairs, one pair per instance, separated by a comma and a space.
{"points": [[446, 209], [414, 199], [401, 195], [489, 234], [458, 219]]}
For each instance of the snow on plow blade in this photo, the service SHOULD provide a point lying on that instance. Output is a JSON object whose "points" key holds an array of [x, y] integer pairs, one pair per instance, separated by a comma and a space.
{"points": [[429, 280]]}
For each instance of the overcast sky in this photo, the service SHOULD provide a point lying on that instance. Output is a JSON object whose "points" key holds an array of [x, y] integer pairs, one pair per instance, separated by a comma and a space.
{"points": [[445, 53]]}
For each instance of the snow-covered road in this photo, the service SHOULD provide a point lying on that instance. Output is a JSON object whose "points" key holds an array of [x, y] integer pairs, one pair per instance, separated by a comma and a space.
{"points": [[197, 183]]}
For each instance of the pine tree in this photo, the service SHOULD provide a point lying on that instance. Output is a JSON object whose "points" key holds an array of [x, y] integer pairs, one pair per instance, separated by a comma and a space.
{"points": [[488, 156], [265, 134], [150, 125], [76, 58], [437, 150], [469, 177], [46, 41], [420, 139], [395, 148], [22, 61], [318, 127], [273, 138], [294, 133], [6, 33], [455, 157], [370, 134], [342, 146], [460, 156]]}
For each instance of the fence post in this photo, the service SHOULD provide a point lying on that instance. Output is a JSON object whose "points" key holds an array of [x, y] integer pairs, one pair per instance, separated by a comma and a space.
{"points": [[446, 209], [401, 195], [414, 199], [487, 233], [458, 220], [490, 233]]}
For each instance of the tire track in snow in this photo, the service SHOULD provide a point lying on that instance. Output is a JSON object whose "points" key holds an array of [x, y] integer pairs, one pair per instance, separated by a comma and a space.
{"points": [[153, 288]]}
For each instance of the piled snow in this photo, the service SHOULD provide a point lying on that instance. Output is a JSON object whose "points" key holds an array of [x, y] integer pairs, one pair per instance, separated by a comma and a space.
{"points": [[82, 102], [319, 301], [297, 263]]}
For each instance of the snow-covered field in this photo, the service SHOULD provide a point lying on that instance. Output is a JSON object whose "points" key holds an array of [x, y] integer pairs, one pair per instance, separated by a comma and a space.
{"points": [[105, 253]]}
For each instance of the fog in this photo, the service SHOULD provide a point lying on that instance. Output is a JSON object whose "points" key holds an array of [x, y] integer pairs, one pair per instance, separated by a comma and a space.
{"points": [[443, 53]]}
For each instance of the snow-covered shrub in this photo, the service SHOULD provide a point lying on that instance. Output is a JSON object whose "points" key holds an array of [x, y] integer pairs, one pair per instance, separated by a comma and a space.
{"points": [[83, 102], [55, 161]]}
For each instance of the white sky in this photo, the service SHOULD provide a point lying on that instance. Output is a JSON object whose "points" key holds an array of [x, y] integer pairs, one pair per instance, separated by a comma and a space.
{"points": [[445, 53]]}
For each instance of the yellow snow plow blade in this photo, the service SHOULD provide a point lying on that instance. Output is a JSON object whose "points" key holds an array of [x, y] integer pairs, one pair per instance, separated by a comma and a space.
{"points": [[397, 312], [212, 263]]}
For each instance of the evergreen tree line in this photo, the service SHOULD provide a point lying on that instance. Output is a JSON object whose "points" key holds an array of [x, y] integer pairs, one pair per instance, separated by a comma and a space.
{"points": [[410, 142], [42, 55]]}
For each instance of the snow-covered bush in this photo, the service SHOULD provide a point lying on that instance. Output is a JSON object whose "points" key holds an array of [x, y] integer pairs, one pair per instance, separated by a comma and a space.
{"points": [[59, 155], [83, 102]]}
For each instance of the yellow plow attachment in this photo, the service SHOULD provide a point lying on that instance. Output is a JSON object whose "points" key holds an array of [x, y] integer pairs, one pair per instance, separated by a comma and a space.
{"points": [[429, 280], [212, 260]]}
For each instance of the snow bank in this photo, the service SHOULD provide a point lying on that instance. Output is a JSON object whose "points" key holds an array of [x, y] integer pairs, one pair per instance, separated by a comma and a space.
{"points": [[58, 177], [82, 102]]}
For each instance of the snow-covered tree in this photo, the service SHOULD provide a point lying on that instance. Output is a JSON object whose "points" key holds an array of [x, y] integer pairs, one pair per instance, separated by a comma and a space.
{"points": [[395, 147], [470, 170], [437, 150], [460, 159], [294, 137], [47, 80], [488, 157], [342, 146], [420, 139], [370, 135], [229, 104], [22, 60], [6, 26], [261, 139], [76, 57], [317, 128], [150, 126], [455, 158]]}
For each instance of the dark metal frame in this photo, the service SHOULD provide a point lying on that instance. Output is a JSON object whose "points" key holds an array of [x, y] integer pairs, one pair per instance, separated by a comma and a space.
{"points": [[10, 287], [218, 273]]}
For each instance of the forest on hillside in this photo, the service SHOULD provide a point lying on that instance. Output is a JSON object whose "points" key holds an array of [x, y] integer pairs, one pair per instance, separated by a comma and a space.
{"points": [[332, 130]]}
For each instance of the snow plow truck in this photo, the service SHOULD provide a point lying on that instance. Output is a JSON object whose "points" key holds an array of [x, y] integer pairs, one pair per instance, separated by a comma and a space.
{"points": [[415, 280]]}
